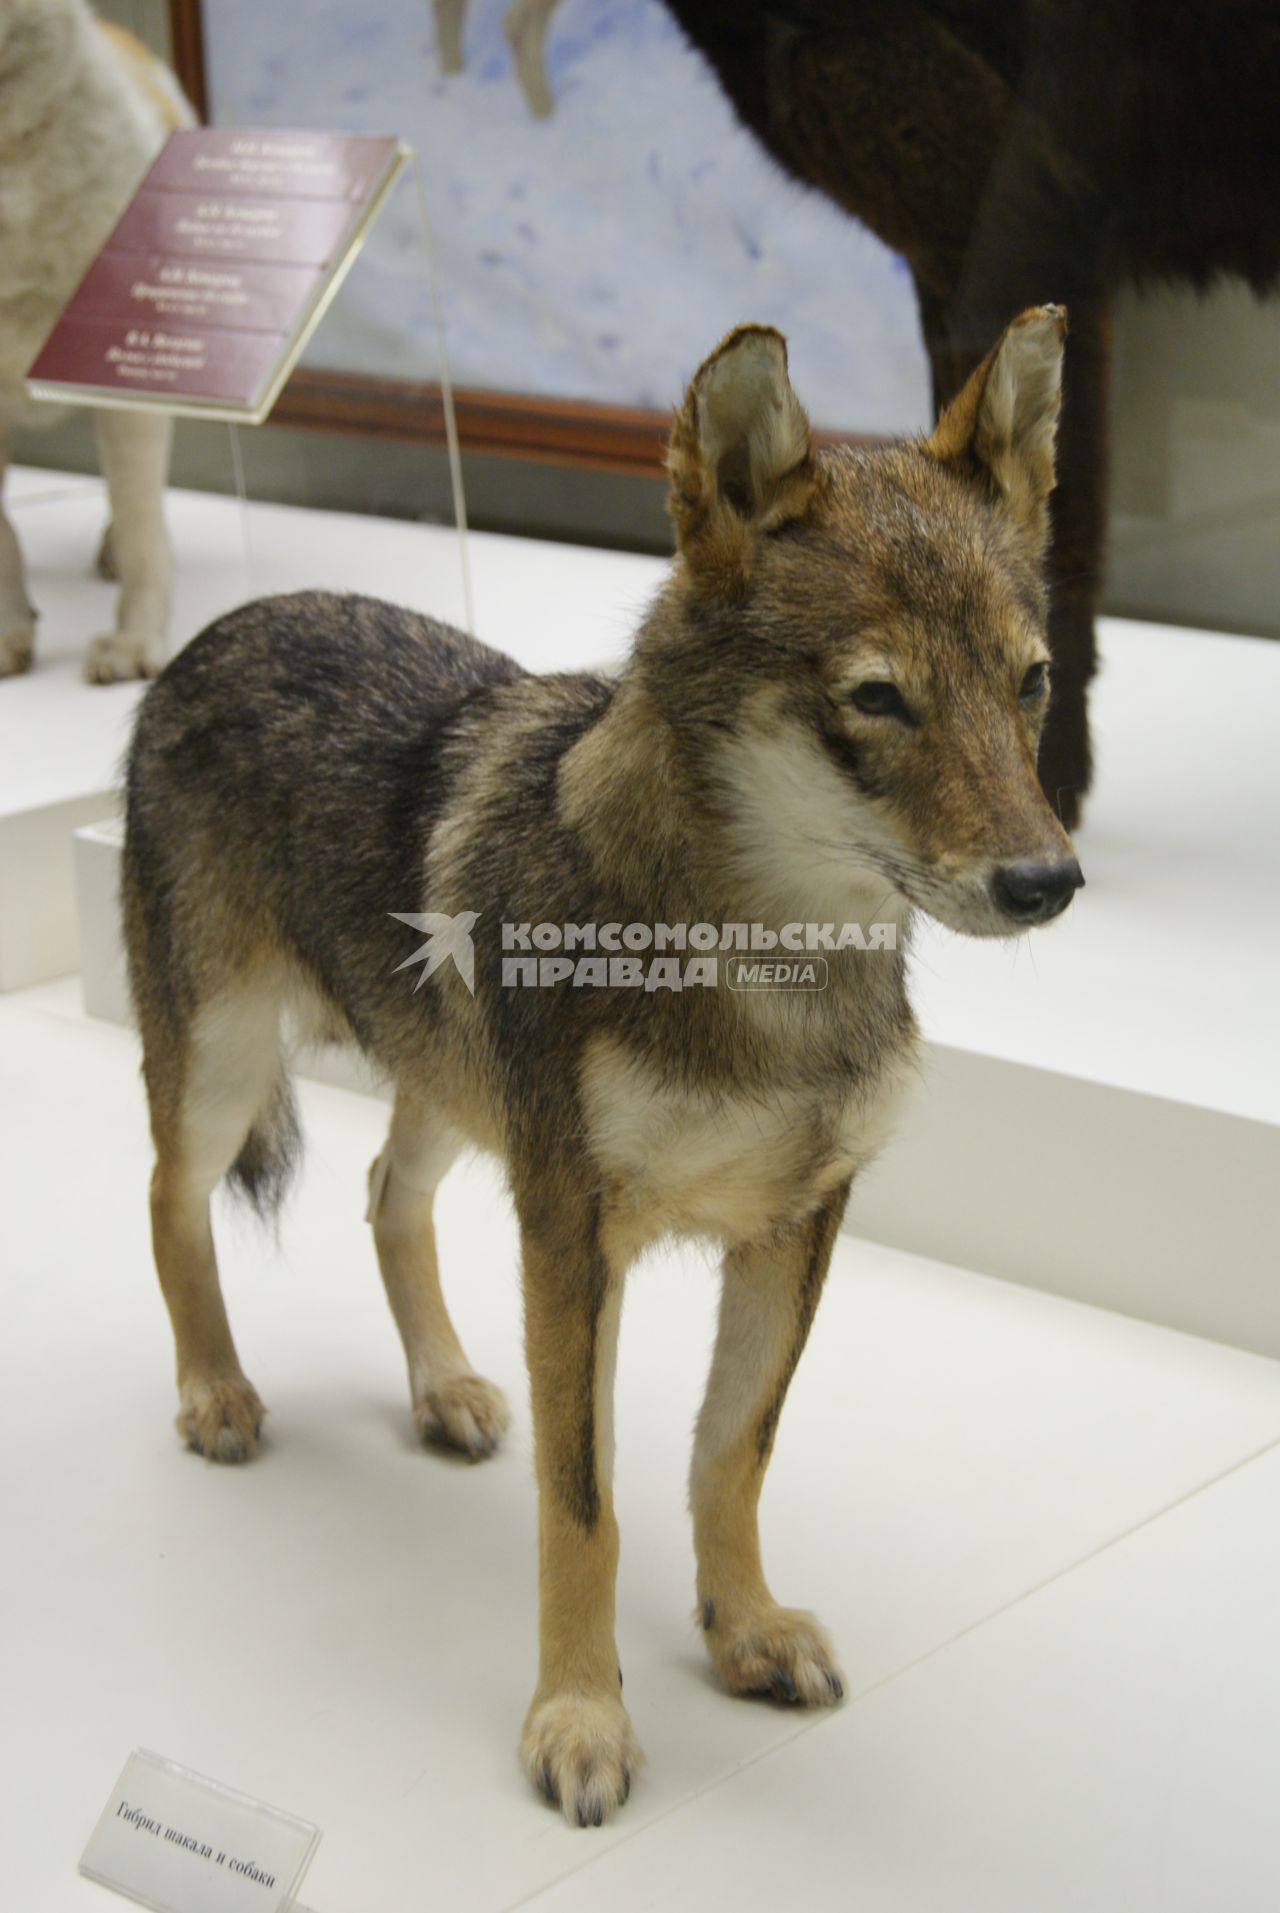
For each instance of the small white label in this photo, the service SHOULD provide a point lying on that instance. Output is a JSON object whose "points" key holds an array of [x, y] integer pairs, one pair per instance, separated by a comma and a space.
{"points": [[182, 1844]]}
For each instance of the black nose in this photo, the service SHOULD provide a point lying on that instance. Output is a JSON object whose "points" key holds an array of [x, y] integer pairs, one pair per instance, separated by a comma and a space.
{"points": [[1034, 892]]}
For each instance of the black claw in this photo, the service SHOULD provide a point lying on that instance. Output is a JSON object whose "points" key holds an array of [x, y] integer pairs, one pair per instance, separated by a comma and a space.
{"points": [[548, 1785], [782, 1684], [619, 1678], [836, 1685], [708, 1612], [626, 1785]]}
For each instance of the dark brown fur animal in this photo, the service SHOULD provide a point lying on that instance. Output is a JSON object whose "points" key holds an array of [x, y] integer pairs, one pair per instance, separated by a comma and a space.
{"points": [[1021, 150], [830, 717]]}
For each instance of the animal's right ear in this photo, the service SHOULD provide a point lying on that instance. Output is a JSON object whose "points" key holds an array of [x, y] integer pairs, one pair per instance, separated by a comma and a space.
{"points": [[740, 458], [1004, 418]]}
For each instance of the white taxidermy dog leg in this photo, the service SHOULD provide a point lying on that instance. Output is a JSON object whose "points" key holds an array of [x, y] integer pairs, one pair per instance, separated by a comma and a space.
{"points": [[134, 452], [17, 619]]}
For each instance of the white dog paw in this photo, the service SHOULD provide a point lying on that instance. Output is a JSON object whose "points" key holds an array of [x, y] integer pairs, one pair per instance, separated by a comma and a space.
{"points": [[117, 657]]}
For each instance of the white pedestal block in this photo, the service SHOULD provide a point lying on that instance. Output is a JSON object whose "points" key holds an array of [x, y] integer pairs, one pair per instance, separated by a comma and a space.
{"points": [[37, 888], [1159, 1209], [100, 958]]}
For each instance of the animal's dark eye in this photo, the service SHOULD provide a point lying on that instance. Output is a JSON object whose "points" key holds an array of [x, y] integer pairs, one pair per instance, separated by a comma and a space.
{"points": [[1033, 684], [879, 698]]}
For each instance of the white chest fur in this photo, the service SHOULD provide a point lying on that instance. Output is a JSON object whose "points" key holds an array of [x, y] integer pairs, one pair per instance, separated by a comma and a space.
{"points": [[729, 1165]]}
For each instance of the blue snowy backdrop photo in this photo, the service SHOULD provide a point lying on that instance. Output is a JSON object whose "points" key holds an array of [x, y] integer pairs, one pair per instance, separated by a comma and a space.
{"points": [[596, 251]]}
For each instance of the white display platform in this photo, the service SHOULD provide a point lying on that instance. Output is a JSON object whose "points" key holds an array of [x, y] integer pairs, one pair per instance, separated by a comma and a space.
{"points": [[1101, 1106], [1043, 1537]]}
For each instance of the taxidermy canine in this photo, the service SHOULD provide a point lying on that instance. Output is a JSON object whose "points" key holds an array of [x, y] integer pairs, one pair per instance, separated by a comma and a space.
{"points": [[83, 110], [830, 713]]}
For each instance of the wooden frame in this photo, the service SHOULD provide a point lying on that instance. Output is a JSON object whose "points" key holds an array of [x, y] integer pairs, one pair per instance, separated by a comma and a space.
{"points": [[186, 42], [503, 424], [576, 432]]}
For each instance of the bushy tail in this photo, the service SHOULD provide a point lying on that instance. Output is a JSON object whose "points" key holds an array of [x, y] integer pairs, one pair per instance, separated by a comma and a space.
{"points": [[271, 1152]]}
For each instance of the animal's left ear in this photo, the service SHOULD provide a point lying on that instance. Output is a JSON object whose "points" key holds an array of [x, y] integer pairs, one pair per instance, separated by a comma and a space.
{"points": [[1005, 416], [740, 458]]}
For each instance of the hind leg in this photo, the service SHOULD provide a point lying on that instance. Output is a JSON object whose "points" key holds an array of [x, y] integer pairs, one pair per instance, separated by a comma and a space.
{"points": [[203, 1104], [220, 1414], [452, 1405]]}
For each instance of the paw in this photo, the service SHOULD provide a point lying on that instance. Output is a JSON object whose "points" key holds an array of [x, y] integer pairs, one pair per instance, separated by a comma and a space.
{"points": [[580, 1751], [465, 1412], [221, 1419], [116, 657], [16, 647], [778, 1651]]}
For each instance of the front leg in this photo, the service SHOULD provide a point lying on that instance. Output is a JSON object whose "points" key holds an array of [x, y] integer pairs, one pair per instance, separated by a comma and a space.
{"points": [[577, 1744], [133, 448], [767, 1302]]}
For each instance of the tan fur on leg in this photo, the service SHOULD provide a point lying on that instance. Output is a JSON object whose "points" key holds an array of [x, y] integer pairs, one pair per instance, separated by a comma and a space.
{"points": [[205, 1097], [577, 1745], [220, 1414], [771, 1290], [452, 1405]]}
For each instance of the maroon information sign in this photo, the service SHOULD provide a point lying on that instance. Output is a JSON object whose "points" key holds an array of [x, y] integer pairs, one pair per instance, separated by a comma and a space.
{"points": [[206, 292]]}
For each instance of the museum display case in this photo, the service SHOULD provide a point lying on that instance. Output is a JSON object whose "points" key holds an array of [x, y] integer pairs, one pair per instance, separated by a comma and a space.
{"points": [[1027, 1468]]}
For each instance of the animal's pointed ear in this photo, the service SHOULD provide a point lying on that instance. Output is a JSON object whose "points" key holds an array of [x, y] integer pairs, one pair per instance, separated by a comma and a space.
{"points": [[741, 457], [1005, 416]]}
